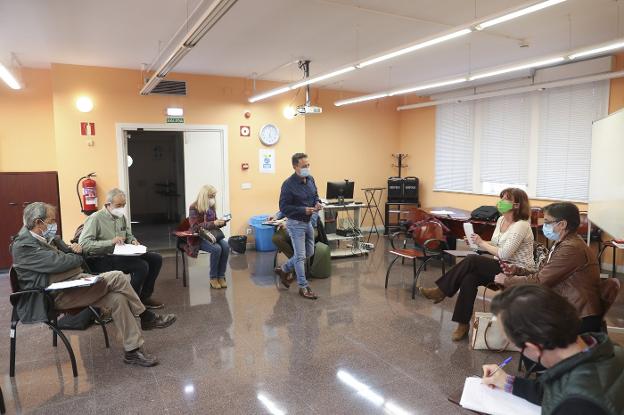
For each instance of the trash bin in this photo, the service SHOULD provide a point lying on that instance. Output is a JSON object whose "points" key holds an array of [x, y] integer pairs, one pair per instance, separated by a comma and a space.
{"points": [[238, 243], [262, 233]]}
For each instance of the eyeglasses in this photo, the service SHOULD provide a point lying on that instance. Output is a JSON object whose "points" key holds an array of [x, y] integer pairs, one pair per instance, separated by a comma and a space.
{"points": [[552, 222]]}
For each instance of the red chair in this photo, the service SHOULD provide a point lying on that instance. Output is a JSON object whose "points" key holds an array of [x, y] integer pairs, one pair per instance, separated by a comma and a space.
{"points": [[429, 244]]}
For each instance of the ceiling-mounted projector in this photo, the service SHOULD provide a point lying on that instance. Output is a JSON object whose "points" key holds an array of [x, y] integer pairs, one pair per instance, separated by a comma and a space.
{"points": [[308, 109]]}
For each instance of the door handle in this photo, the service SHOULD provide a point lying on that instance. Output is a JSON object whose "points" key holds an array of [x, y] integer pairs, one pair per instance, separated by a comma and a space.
{"points": [[26, 204], [12, 204]]}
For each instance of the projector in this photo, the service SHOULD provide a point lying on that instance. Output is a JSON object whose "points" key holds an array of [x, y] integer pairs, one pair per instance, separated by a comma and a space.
{"points": [[308, 109]]}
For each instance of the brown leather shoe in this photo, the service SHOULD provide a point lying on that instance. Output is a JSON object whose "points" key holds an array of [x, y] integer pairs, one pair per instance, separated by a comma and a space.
{"points": [[434, 294], [283, 278], [307, 293], [460, 332]]}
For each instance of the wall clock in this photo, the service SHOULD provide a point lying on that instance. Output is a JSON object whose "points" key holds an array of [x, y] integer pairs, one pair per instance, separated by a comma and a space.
{"points": [[269, 134]]}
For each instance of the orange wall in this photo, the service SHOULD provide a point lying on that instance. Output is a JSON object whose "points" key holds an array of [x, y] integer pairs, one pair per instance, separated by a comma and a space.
{"points": [[353, 142], [41, 130], [27, 132]]}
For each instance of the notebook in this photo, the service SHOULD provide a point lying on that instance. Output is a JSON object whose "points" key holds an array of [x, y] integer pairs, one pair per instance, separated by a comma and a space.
{"points": [[82, 282], [478, 397], [129, 249]]}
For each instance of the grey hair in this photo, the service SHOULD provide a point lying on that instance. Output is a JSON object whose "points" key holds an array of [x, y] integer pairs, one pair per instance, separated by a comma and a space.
{"points": [[34, 212], [112, 193]]}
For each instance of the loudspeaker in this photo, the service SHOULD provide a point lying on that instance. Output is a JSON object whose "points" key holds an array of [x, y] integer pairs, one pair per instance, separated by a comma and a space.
{"points": [[395, 189]]}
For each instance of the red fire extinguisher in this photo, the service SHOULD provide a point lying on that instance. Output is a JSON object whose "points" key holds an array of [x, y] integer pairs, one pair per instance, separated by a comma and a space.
{"points": [[88, 198]]}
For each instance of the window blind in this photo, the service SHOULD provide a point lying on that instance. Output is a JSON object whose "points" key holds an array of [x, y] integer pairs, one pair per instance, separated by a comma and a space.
{"points": [[504, 143], [454, 147], [566, 116]]}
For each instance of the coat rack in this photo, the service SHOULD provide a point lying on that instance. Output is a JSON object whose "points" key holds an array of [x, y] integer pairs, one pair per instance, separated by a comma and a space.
{"points": [[400, 158]]}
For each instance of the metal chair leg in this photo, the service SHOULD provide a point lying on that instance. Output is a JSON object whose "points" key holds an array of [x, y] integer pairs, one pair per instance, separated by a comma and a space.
{"points": [[416, 275], [72, 357], [13, 335], [177, 253], [98, 319], [184, 266], [2, 406], [54, 340], [388, 272]]}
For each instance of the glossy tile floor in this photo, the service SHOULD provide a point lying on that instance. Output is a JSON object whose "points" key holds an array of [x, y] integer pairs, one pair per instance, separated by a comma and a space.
{"points": [[251, 349]]}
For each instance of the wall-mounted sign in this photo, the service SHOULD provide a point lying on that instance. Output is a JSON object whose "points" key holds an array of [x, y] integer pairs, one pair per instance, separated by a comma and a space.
{"points": [[87, 128], [267, 160], [175, 120]]}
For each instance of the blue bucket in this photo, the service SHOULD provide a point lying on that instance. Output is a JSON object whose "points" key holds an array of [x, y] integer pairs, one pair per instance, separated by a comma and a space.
{"points": [[262, 233]]}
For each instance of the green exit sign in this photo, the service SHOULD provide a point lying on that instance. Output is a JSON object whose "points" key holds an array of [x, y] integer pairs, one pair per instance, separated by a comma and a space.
{"points": [[175, 120]]}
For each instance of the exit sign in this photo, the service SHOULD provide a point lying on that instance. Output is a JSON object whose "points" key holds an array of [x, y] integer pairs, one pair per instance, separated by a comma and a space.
{"points": [[175, 120]]}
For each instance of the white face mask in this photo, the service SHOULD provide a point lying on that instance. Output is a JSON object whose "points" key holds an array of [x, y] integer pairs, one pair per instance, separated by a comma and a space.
{"points": [[211, 202], [117, 212]]}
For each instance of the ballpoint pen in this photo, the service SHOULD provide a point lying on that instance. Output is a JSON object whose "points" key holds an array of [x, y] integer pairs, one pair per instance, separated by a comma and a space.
{"points": [[501, 365]]}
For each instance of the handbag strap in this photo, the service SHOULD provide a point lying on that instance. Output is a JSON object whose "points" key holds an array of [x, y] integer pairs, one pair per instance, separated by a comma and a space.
{"points": [[486, 342]]}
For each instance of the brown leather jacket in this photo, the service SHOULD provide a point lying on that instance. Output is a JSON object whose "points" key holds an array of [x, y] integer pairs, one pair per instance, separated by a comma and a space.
{"points": [[572, 271]]}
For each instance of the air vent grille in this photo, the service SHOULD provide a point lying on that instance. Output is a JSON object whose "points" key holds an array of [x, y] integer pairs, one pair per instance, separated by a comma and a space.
{"points": [[166, 87]]}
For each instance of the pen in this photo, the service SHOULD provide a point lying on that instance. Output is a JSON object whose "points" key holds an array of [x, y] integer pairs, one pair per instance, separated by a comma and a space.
{"points": [[501, 365]]}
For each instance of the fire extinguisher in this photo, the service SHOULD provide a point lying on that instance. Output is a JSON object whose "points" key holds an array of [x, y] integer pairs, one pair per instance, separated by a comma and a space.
{"points": [[88, 199]]}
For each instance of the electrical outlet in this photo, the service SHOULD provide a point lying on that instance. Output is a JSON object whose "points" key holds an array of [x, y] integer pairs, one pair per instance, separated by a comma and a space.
{"points": [[248, 231]]}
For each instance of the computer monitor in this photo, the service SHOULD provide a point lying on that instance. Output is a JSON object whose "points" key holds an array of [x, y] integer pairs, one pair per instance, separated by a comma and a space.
{"points": [[340, 190]]}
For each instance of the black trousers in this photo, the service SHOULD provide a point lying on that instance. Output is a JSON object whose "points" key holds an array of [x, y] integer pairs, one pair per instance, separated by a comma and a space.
{"points": [[143, 269], [466, 277]]}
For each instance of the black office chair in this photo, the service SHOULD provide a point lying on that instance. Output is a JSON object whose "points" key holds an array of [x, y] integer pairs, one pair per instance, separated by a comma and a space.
{"points": [[52, 312]]}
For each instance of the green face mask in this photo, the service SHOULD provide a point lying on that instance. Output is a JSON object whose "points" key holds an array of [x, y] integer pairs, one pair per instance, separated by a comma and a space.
{"points": [[504, 206]]}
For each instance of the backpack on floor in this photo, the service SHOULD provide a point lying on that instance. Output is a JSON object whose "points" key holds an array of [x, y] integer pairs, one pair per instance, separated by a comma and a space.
{"points": [[321, 261]]}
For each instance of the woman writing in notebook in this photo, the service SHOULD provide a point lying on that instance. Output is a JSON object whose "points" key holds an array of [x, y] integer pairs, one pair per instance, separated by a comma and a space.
{"points": [[512, 242]]}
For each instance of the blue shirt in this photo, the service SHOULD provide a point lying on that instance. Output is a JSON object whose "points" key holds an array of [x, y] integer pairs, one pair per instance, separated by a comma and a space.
{"points": [[296, 195]]}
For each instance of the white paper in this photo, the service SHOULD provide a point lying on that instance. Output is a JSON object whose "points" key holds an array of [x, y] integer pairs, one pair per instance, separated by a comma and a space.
{"points": [[469, 230], [129, 249], [266, 160], [478, 397], [442, 212], [82, 282]]}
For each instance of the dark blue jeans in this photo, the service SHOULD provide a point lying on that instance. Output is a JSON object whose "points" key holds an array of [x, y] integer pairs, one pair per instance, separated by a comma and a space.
{"points": [[219, 254]]}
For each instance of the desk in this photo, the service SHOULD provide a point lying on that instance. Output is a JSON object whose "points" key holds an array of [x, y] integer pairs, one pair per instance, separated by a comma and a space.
{"points": [[454, 219]]}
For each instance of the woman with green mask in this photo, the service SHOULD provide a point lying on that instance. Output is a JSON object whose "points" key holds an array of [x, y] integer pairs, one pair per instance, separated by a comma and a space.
{"points": [[512, 242]]}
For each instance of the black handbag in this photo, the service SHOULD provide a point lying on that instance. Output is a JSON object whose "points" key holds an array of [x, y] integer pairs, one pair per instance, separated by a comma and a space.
{"points": [[485, 213], [211, 235]]}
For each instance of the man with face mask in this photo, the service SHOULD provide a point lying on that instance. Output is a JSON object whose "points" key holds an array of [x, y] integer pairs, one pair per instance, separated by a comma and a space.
{"points": [[298, 201], [571, 269], [40, 258], [107, 228]]}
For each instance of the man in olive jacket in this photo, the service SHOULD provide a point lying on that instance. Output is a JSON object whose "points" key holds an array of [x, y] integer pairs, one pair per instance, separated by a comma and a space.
{"points": [[40, 258]]}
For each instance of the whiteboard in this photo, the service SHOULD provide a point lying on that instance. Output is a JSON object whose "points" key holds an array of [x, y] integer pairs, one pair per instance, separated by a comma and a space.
{"points": [[606, 179]]}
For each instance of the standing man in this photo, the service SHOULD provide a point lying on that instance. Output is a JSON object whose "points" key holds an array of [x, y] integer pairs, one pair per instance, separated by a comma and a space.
{"points": [[298, 201], [107, 228]]}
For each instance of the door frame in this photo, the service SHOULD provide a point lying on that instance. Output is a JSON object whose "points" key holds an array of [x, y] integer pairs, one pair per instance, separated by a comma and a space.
{"points": [[122, 153]]}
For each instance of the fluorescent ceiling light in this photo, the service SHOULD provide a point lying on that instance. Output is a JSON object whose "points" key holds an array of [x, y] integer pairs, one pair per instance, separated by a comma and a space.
{"points": [[428, 86], [517, 68], [601, 49], [359, 99], [208, 20], [517, 13], [322, 77], [268, 94], [8, 78], [413, 48]]}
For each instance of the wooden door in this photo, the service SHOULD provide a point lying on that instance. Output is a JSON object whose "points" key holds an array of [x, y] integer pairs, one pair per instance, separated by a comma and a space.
{"points": [[18, 190]]}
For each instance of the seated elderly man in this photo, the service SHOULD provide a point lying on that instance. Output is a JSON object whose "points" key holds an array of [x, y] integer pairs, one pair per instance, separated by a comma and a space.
{"points": [[106, 228], [40, 259]]}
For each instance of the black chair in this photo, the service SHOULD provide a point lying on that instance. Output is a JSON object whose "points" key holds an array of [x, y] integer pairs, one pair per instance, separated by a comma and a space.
{"points": [[53, 314]]}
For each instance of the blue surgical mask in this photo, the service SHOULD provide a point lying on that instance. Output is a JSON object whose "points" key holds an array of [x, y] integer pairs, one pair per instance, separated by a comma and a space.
{"points": [[305, 172], [50, 231], [549, 232]]}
